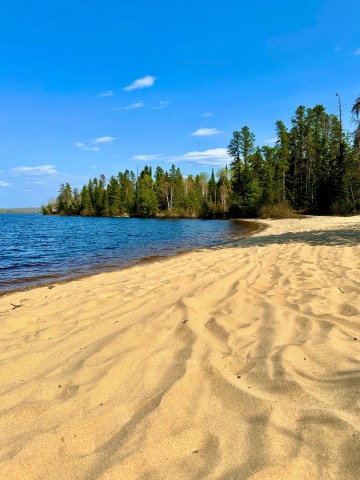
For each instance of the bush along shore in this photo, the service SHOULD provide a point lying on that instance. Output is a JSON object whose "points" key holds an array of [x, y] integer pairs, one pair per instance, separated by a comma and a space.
{"points": [[313, 167]]}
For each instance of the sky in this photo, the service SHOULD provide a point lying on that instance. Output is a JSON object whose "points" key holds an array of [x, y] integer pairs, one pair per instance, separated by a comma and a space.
{"points": [[90, 88]]}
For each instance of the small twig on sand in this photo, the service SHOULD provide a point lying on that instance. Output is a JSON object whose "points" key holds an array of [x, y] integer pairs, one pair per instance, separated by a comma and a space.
{"points": [[16, 306], [341, 290]]}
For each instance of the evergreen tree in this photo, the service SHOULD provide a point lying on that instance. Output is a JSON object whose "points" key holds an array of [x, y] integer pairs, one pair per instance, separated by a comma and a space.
{"points": [[270, 180], [283, 158], [234, 151], [224, 187], [356, 117], [147, 204], [86, 204], [65, 200], [114, 197], [212, 189], [98, 197], [240, 148], [76, 202], [313, 167], [127, 182]]}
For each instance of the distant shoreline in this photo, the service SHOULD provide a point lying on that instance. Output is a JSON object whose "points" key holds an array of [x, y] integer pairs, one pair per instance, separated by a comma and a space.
{"points": [[20, 210]]}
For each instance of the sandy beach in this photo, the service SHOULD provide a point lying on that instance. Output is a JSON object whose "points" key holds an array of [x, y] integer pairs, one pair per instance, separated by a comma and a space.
{"points": [[239, 361]]}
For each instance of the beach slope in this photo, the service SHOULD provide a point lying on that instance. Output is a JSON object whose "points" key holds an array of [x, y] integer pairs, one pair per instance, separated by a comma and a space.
{"points": [[235, 362]]}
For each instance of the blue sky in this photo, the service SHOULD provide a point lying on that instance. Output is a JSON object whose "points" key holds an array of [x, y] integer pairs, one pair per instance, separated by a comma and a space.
{"points": [[89, 87]]}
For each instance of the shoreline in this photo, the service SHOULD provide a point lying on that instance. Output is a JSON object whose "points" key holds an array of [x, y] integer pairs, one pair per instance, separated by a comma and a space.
{"points": [[97, 270], [232, 361]]}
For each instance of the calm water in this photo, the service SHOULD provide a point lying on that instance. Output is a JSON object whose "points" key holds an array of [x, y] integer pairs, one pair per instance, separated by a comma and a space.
{"points": [[37, 249]]}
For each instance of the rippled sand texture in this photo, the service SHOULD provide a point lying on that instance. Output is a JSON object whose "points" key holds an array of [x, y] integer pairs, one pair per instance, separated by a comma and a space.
{"points": [[238, 362]]}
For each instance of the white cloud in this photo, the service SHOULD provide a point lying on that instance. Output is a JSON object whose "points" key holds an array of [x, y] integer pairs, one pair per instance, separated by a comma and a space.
{"points": [[4, 184], [215, 156], [270, 141], [91, 149], [87, 146], [93, 167], [132, 106], [108, 93], [212, 157], [40, 170], [148, 158], [84, 146], [144, 82], [162, 104], [205, 132], [103, 140], [357, 51], [207, 114]]}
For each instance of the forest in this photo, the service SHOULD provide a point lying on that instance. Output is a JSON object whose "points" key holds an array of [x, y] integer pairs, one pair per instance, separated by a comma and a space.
{"points": [[313, 167]]}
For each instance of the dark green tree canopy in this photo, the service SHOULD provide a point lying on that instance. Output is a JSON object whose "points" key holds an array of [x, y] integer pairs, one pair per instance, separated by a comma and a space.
{"points": [[314, 166]]}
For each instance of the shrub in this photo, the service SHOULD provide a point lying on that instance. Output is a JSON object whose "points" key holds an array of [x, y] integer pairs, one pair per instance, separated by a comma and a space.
{"points": [[278, 210]]}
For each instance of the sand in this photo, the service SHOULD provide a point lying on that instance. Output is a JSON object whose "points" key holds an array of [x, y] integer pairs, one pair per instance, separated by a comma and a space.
{"points": [[235, 362]]}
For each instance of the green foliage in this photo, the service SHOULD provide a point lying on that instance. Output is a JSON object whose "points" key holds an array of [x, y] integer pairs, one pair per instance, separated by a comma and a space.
{"points": [[313, 166], [277, 210], [147, 202]]}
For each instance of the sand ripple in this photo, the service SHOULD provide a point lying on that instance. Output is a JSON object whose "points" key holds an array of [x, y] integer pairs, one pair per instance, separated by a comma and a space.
{"points": [[236, 362]]}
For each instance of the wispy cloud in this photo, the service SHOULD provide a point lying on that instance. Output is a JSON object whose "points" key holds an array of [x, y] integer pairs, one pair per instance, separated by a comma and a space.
{"points": [[132, 106], [108, 93], [148, 158], [87, 148], [40, 170], [207, 114], [357, 51], [212, 157], [205, 132], [162, 104], [36, 182], [4, 184], [103, 140], [91, 145], [270, 141], [144, 82]]}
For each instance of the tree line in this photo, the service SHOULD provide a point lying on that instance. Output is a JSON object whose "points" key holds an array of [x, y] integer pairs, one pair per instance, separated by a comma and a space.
{"points": [[313, 167]]}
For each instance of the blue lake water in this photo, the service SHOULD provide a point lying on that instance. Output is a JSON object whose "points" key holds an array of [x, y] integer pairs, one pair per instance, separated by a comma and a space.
{"points": [[37, 249]]}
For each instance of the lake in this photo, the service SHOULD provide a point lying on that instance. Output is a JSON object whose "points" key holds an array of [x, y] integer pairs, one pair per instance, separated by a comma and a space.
{"points": [[37, 249]]}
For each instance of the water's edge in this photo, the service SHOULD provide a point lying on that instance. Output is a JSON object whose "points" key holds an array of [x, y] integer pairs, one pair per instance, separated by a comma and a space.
{"points": [[49, 281]]}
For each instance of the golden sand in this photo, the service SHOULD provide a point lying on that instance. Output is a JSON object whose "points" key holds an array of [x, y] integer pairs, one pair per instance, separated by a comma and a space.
{"points": [[236, 362]]}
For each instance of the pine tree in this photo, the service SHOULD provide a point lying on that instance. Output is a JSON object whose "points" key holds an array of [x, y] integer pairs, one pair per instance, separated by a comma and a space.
{"points": [[147, 204], [65, 200], [212, 189], [240, 148], [127, 182], [283, 158], [114, 197], [86, 204]]}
